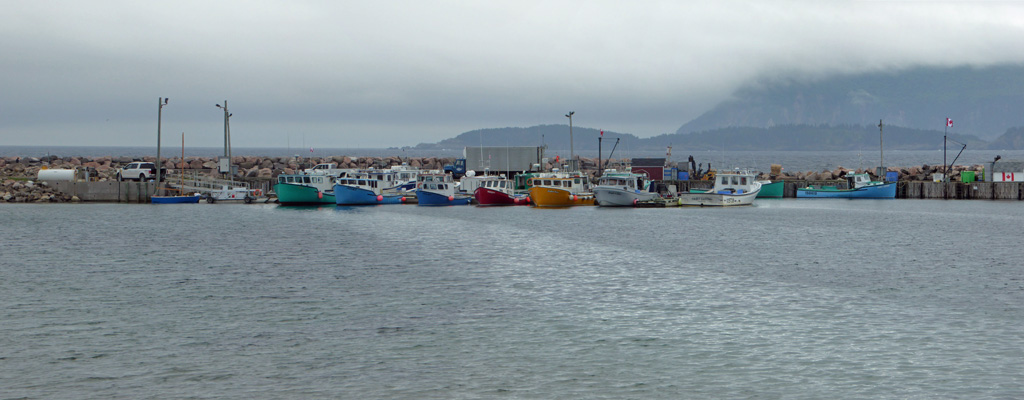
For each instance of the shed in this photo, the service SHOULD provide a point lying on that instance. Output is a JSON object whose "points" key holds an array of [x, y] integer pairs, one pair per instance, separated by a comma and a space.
{"points": [[654, 167], [1005, 171]]}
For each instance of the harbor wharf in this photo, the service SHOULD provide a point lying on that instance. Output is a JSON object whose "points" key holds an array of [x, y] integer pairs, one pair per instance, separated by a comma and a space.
{"points": [[97, 177]]}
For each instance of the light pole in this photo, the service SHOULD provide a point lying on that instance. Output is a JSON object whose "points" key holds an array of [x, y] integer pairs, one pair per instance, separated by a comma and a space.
{"points": [[227, 134], [161, 102], [572, 153]]}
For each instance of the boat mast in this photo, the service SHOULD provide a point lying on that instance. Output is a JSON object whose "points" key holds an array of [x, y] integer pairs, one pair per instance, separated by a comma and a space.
{"points": [[881, 153]]}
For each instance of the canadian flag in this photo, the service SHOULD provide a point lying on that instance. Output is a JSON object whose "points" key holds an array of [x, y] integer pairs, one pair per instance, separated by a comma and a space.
{"points": [[949, 122]]}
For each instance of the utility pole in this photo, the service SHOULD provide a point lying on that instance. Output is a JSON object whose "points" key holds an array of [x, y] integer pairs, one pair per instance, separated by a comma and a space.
{"points": [[161, 102], [572, 153], [227, 137]]}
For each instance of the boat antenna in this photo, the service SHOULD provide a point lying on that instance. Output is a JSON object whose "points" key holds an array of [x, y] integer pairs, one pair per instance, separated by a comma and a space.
{"points": [[881, 153]]}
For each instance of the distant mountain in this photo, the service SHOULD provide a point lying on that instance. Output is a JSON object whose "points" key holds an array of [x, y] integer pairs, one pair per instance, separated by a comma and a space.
{"points": [[981, 101], [554, 136], [840, 113], [1013, 139]]}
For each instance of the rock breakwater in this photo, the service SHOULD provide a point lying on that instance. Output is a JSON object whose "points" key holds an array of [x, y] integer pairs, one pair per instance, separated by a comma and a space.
{"points": [[18, 174]]}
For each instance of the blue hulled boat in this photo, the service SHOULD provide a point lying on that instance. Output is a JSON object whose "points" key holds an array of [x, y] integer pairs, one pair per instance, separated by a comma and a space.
{"points": [[362, 191], [436, 189]]}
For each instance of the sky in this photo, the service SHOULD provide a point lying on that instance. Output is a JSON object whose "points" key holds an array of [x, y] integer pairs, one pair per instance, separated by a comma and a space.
{"points": [[373, 74]]}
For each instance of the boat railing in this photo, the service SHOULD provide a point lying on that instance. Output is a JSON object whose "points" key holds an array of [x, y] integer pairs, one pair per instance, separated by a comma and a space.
{"points": [[193, 181]]}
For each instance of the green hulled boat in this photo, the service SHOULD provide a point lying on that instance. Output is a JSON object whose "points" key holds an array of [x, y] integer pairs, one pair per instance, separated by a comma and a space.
{"points": [[305, 189], [771, 190]]}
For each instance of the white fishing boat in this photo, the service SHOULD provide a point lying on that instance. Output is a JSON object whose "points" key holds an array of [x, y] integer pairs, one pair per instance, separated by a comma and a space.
{"points": [[623, 189], [735, 188]]}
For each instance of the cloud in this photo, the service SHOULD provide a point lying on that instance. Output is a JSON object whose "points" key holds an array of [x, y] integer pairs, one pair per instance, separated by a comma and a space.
{"points": [[392, 73]]}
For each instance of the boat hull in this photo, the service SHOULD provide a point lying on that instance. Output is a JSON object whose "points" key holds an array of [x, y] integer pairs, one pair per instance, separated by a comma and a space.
{"points": [[174, 199], [883, 191], [710, 199], [427, 198], [771, 190], [491, 197], [552, 197], [352, 196], [617, 197], [288, 194]]}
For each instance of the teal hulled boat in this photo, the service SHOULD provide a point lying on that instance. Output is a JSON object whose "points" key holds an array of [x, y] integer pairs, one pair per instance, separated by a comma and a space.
{"points": [[861, 187], [771, 190], [304, 189]]}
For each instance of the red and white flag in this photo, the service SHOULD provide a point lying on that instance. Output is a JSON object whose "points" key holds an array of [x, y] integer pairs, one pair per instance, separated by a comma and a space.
{"points": [[310, 149], [949, 122]]}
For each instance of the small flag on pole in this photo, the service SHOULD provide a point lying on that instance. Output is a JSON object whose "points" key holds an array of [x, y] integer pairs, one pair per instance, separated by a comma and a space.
{"points": [[949, 122], [602, 133], [310, 149]]}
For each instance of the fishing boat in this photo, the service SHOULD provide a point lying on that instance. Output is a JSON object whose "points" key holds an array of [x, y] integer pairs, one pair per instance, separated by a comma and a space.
{"points": [[180, 198], [437, 189], [623, 189], [560, 190], [497, 191], [859, 186], [732, 188], [362, 190], [771, 190], [305, 189]]}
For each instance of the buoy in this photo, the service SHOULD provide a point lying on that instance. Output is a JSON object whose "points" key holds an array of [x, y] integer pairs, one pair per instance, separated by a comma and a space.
{"points": [[634, 202], [380, 197], [319, 194], [403, 199], [451, 198], [573, 197]]}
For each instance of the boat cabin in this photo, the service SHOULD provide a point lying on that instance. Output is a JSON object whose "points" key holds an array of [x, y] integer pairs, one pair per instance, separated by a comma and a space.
{"points": [[305, 180], [859, 180], [628, 182], [734, 183], [497, 184], [435, 182], [372, 185], [573, 184]]}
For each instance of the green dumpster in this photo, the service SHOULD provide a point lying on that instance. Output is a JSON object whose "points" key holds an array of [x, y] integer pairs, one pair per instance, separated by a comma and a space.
{"points": [[967, 176]]}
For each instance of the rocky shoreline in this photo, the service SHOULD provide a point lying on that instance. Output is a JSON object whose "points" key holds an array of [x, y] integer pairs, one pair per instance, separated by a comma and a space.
{"points": [[18, 174]]}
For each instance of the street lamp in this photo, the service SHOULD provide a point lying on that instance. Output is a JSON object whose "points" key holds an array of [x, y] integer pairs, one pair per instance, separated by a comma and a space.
{"points": [[227, 134], [572, 153], [161, 102]]}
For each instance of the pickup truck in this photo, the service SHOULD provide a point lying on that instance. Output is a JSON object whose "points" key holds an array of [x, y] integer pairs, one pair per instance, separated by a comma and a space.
{"points": [[140, 171], [330, 169]]}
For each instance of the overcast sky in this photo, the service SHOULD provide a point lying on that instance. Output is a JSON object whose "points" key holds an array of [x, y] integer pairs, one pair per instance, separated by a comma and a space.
{"points": [[398, 73]]}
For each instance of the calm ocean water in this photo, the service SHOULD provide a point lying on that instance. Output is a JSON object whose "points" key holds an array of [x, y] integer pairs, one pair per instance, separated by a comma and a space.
{"points": [[786, 299], [759, 160]]}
